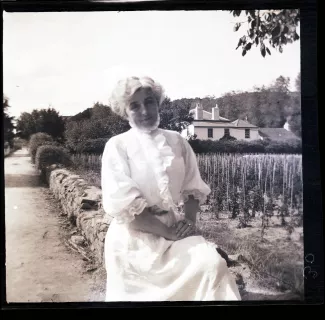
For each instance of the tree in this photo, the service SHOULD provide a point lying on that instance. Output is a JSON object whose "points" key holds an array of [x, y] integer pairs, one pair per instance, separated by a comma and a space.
{"points": [[98, 122], [44, 120], [298, 83], [26, 126], [281, 84], [8, 124], [275, 27], [100, 111], [174, 115]]}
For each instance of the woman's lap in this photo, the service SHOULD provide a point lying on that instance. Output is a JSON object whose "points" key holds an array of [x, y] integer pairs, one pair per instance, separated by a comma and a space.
{"points": [[189, 269]]}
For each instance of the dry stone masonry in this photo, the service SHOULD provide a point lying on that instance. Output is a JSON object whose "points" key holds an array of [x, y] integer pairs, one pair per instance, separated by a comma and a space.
{"points": [[82, 204]]}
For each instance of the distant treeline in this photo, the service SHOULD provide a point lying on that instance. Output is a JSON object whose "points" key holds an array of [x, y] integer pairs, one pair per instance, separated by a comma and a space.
{"points": [[266, 107]]}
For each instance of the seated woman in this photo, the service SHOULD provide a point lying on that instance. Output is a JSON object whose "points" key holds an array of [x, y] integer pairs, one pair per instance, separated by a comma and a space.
{"points": [[151, 250]]}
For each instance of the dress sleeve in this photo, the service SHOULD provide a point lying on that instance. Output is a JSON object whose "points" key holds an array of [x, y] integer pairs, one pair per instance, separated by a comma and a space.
{"points": [[121, 197], [193, 183]]}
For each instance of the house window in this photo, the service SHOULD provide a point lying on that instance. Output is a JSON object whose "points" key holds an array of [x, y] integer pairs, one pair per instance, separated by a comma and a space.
{"points": [[210, 133], [227, 133], [247, 133]]}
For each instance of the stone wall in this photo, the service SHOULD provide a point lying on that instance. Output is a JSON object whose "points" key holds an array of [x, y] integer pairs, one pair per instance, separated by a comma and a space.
{"points": [[82, 204]]}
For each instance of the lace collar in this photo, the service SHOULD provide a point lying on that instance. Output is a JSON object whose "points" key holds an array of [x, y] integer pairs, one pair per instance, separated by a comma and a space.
{"points": [[159, 156]]}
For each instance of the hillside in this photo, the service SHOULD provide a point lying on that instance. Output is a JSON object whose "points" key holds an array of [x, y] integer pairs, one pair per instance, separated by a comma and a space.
{"points": [[264, 108]]}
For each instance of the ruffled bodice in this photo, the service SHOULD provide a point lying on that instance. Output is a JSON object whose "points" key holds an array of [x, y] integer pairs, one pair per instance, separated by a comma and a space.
{"points": [[159, 156], [154, 168]]}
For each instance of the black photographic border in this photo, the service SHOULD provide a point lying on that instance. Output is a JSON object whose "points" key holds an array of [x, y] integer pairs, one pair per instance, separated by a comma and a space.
{"points": [[312, 196]]}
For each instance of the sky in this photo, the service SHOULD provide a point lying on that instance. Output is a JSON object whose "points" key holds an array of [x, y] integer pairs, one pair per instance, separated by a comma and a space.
{"points": [[70, 60]]}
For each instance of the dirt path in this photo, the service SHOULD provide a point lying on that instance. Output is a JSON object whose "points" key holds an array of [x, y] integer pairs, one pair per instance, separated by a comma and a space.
{"points": [[39, 267]]}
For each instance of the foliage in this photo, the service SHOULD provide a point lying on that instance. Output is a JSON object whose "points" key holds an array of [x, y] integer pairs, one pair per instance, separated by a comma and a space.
{"points": [[92, 146], [87, 161], [241, 185], [275, 27], [243, 147], [227, 138], [97, 111], [289, 146], [19, 143], [298, 82], [44, 120], [37, 140], [94, 125], [78, 132], [47, 155], [174, 115], [8, 124], [266, 107], [88, 130], [251, 184]]}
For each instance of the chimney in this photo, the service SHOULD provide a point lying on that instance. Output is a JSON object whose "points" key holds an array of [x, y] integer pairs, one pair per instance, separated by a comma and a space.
{"points": [[198, 112], [215, 113]]}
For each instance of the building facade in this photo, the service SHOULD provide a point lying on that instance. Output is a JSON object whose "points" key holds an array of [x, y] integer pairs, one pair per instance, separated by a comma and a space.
{"points": [[211, 126]]}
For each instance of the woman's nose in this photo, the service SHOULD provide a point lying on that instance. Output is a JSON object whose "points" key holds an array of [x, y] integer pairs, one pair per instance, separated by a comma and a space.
{"points": [[144, 110]]}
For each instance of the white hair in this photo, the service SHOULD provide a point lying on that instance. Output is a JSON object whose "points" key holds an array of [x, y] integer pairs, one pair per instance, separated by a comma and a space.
{"points": [[125, 89]]}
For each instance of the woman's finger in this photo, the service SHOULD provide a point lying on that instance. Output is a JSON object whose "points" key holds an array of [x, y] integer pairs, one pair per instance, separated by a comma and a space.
{"points": [[187, 231], [182, 229], [179, 226]]}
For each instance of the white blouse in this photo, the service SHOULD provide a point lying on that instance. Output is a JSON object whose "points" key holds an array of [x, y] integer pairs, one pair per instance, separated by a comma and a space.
{"points": [[141, 169]]}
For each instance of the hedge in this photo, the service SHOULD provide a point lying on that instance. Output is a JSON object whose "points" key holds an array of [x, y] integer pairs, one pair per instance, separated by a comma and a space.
{"points": [[239, 146], [96, 146], [38, 139], [91, 146], [47, 155]]}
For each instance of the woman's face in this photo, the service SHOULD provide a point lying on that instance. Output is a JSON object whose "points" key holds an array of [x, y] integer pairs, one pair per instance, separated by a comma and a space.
{"points": [[142, 109]]}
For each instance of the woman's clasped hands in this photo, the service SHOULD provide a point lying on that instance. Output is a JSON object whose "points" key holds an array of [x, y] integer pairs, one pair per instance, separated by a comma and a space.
{"points": [[182, 229]]}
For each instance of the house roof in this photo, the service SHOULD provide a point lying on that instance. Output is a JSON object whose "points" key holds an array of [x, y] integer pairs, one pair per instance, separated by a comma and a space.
{"points": [[243, 124], [277, 134], [218, 124]]}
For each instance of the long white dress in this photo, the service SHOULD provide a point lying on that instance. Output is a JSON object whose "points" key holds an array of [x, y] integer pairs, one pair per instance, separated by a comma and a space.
{"points": [[141, 169]]}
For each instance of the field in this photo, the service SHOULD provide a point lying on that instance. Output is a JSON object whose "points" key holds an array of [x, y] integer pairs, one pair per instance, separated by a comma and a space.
{"points": [[255, 210]]}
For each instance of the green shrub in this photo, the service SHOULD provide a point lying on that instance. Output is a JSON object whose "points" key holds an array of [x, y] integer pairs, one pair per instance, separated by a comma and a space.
{"points": [[38, 139], [242, 147], [47, 155], [19, 143], [289, 146], [92, 146], [227, 138]]}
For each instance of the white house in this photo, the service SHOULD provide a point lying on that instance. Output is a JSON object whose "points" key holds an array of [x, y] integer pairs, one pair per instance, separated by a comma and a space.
{"points": [[209, 125]]}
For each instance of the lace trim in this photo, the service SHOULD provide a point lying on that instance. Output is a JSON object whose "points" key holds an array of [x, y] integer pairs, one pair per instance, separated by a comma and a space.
{"points": [[127, 215], [160, 156]]}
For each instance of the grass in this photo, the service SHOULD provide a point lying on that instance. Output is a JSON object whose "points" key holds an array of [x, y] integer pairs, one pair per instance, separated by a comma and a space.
{"points": [[275, 264], [92, 177]]}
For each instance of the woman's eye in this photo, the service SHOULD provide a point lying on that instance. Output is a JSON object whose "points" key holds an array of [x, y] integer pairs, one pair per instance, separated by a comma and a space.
{"points": [[134, 106]]}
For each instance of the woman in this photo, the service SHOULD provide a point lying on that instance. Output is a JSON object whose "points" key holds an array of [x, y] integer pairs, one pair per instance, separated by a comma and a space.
{"points": [[151, 252]]}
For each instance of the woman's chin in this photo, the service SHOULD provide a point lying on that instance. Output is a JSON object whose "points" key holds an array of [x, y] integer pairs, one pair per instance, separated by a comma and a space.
{"points": [[149, 124]]}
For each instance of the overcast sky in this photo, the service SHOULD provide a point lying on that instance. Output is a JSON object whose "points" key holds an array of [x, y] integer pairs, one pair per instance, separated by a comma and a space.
{"points": [[70, 60]]}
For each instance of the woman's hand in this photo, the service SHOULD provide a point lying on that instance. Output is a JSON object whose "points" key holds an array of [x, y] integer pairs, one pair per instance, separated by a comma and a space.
{"points": [[185, 228], [180, 230]]}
